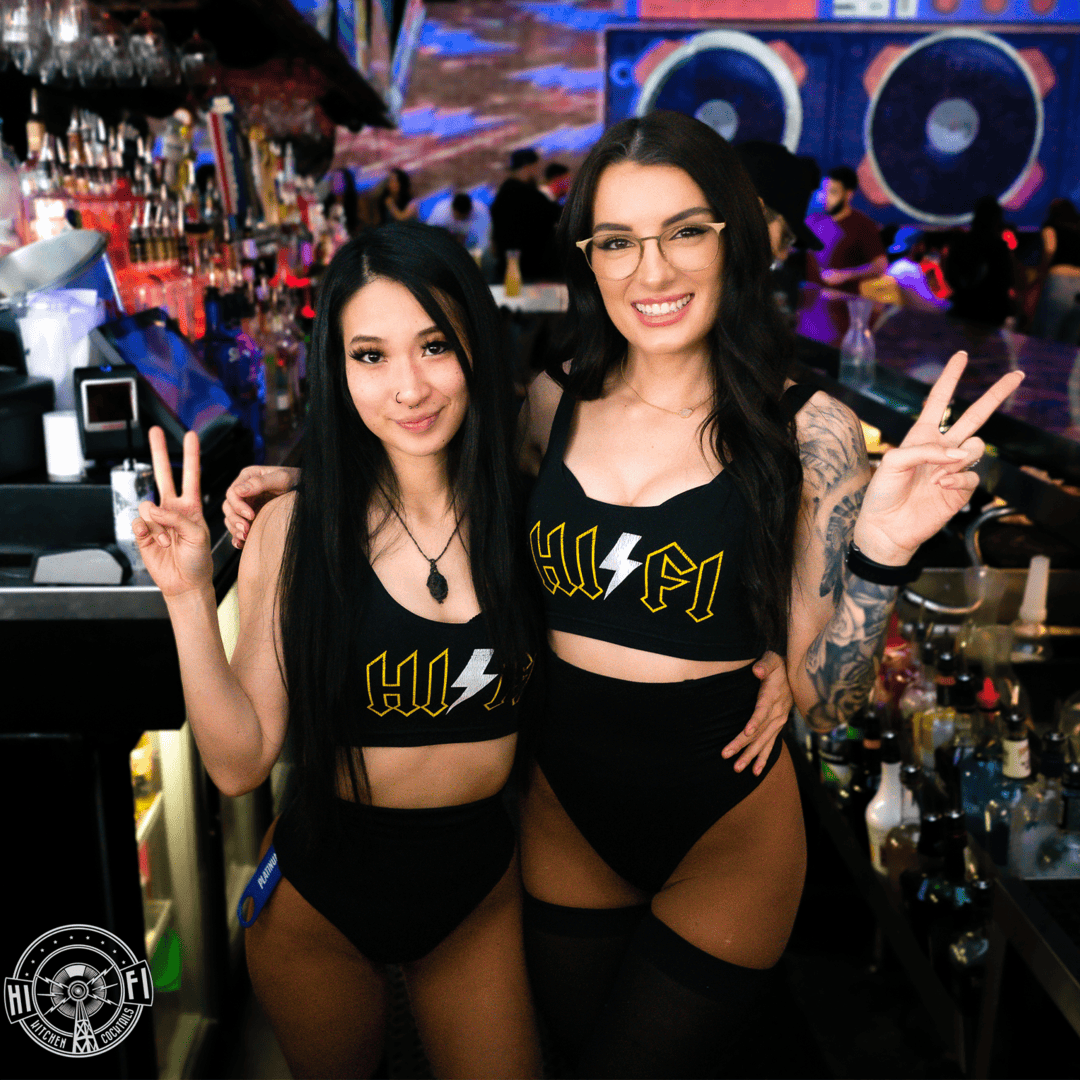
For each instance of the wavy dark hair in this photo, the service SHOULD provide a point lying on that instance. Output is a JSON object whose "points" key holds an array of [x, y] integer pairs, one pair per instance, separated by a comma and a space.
{"points": [[324, 575], [750, 346]]}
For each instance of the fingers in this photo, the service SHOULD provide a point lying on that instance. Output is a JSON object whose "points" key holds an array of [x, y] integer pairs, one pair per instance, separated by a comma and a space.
{"points": [[903, 458], [190, 489], [972, 450], [159, 521], [159, 455], [941, 393], [984, 408]]}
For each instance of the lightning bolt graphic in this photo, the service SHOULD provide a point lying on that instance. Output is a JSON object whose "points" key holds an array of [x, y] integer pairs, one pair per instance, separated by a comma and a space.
{"points": [[473, 678], [618, 559]]}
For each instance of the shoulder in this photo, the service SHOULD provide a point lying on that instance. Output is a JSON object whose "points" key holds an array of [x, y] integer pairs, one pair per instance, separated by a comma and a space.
{"points": [[264, 548], [541, 404], [831, 443]]}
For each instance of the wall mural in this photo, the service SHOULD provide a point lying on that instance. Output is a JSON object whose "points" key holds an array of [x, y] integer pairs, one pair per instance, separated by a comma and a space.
{"points": [[930, 116]]}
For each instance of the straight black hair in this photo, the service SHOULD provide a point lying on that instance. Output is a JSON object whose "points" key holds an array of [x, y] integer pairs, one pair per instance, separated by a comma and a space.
{"points": [[750, 346], [325, 569]]}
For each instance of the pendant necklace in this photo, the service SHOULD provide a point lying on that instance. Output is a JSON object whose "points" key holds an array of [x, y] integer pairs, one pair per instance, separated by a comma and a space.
{"points": [[436, 583], [684, 413]]}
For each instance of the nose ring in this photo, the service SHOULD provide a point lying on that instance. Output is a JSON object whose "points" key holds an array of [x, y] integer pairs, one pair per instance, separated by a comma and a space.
{"points": [[397, 398]]}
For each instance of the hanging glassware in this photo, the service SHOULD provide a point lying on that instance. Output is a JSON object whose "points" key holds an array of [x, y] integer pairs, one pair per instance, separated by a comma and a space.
{"points": [[155, 58], [69, 24], [107, 51], [200, 66], [25, 31]]}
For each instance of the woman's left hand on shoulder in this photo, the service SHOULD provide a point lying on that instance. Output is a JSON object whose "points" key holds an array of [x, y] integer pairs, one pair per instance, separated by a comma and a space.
{"points": [[770, 714], [922, 483]]}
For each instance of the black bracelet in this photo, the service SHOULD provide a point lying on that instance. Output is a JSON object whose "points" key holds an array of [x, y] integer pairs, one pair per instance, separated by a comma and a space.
{"points": [[876, 572]]}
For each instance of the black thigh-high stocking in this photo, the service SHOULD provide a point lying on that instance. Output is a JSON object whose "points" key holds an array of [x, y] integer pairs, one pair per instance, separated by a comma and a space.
{"points": [[673, 1010], [573, 957]]}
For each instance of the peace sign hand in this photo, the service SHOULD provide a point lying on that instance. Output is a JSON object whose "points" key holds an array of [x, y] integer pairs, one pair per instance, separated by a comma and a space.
{"points": [[920, 485], [173, 538]]}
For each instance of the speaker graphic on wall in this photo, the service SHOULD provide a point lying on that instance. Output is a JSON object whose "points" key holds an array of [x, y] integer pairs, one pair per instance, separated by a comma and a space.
{"points": [[954, 116], [731, 81]]}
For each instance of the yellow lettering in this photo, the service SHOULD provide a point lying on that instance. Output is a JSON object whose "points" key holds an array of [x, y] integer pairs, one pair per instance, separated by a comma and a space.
{"points": [[668, 564], [588, 562], [436, 686], [701, 608], [379, 687], [550, 562]]}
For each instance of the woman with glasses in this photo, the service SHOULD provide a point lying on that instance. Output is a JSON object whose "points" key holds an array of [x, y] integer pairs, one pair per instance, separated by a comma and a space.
{"points": [[691, 510]]}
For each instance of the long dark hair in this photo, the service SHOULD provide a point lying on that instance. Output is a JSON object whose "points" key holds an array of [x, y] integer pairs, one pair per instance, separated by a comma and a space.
{"points": [[404, 191], [324, 572], [749, 345]]}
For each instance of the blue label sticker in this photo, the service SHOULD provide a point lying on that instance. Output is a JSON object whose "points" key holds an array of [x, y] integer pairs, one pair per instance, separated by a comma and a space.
{"points": [[262, 884]]}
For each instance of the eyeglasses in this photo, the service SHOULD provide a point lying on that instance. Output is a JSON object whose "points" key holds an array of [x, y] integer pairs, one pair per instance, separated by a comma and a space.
{"points": [[688, 246]]}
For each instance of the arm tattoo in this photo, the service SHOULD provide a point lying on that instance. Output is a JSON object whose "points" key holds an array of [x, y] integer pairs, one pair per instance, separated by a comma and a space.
{"points": [[839, 663]]}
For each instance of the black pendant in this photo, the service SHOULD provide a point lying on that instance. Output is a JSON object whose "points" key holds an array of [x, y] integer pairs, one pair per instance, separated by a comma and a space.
{"points": [[436, 583]]}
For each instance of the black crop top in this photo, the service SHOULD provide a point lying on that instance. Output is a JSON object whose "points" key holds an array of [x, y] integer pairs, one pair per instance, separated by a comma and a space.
{"points": [[419, 682], [664, 579]]}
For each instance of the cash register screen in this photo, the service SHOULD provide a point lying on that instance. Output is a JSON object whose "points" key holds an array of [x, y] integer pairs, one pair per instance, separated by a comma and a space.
{"points": [[167, 362]]}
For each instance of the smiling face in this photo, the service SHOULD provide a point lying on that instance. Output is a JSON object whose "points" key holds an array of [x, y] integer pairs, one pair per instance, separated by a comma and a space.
{"points": [[658, 309], [406, 383]]}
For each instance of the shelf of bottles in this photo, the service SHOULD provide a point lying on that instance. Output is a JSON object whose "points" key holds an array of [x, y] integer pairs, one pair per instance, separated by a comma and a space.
{"points": [[238, 289], [949, 778]]}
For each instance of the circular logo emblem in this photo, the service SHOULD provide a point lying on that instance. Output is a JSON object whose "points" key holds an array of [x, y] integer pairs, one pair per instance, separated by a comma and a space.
{"points": [[78, 991]]}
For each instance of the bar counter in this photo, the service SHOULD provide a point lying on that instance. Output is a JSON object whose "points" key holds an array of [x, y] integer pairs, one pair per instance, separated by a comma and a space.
{"points": [[1036, 432]]}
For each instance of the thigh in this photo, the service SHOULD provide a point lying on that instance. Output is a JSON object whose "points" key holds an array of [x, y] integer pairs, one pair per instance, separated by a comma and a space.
{"points": [[736, 892], [326, 1001], [558, 864], [470, 995]]}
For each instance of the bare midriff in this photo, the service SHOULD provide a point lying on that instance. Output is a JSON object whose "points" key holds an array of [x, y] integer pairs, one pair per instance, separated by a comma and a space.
{"points": [[421, 777], [634, 665]]}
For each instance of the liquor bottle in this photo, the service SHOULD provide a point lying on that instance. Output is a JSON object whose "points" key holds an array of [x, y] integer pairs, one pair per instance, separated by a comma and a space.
{"points": [[970, 947], [919, 695], [35, 130], [871, 746], [902, 842], [933, 727], [1059, 854], [915, 882], [951, 758], [946, 893], [855, 797], [1016, 775], [883, 811], [1038, 813], [832, 753], [899, 668]]}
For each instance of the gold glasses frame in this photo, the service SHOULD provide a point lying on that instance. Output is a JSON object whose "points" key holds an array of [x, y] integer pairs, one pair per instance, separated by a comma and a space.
{"points": [[582, 245]]}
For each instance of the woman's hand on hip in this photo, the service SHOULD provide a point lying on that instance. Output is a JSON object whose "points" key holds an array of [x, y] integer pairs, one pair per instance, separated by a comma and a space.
{"points": [[774, 703], [250, 492], [921, 484], [173, 538]]}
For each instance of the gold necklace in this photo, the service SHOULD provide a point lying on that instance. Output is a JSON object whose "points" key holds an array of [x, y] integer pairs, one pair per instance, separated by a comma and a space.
{"points": [[684, 413]]}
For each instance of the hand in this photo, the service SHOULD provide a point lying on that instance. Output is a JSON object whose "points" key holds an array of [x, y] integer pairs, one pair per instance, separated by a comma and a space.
{"points": [[834, 278], [770, 714], [920, 485], [250, 491], [173, 538]]}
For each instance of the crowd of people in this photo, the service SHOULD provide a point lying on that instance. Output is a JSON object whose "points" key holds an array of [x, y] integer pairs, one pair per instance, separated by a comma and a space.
{"points": [[622, 601]]}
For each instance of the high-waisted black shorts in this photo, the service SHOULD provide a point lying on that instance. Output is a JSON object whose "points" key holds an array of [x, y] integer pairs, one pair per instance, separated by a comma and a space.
{"points": [[638, 767], [398, 882]]}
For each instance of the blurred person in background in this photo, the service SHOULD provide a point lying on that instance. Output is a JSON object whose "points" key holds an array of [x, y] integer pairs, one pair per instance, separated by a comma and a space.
{"points": [[851, 244], [523, 219], [395, 201], [1057, 312], [907, 251], [980, 268], [465, 218], [556, 183]]}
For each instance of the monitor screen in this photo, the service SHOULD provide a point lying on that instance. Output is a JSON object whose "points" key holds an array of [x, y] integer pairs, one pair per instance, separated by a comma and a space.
{"points": [[167, 362]]}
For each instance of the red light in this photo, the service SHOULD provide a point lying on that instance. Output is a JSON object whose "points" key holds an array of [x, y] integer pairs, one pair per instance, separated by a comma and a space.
{"points": [[1010, 238], [307, 311]]}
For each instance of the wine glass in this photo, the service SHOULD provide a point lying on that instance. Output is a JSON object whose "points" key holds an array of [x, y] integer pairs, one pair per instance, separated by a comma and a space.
{"points": [[69, 25], [25, 32], [155, 58]]}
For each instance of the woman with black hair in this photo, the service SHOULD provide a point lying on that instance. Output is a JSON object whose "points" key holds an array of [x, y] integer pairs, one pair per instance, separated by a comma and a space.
{"points": [[692, 508], [386, 631], [396, 202]]}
